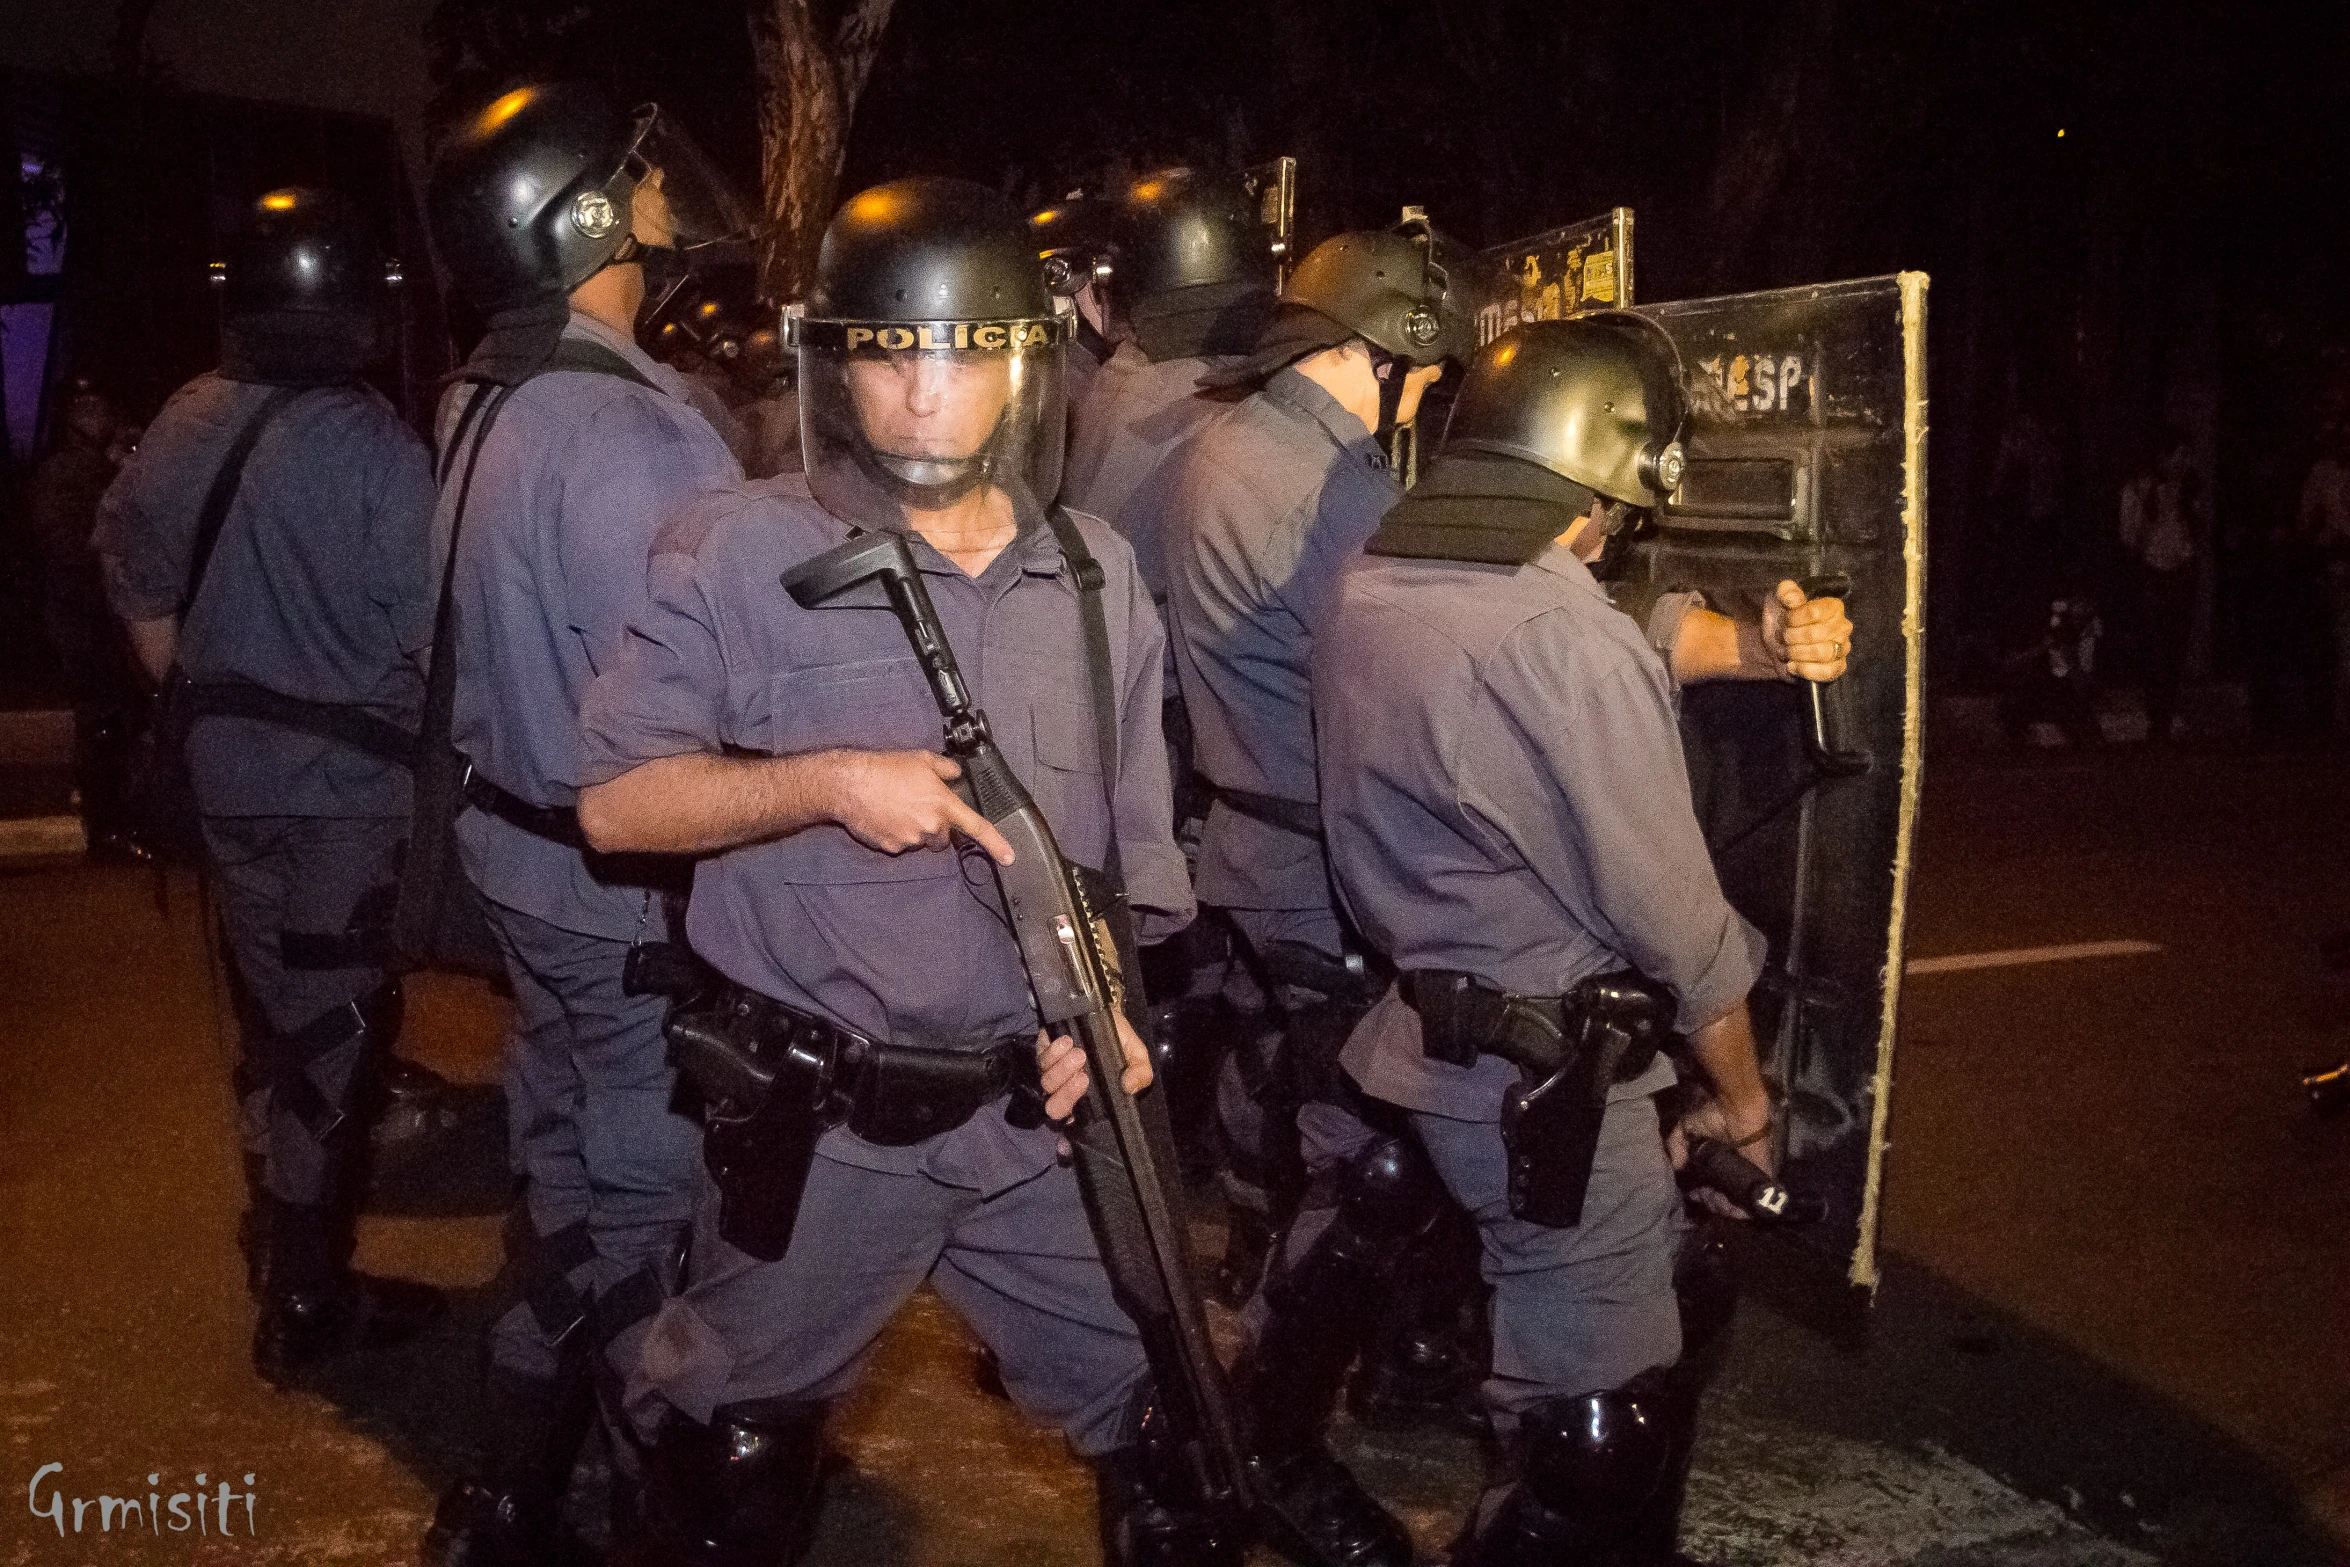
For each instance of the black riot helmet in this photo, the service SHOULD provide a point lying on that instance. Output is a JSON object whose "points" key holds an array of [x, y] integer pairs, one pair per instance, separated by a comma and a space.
{"points": [[1598, 400], [535, 194], [930, 355], [1197, 258], [302, 291], [1550, 415], [1386, 289], [1072, 239]]}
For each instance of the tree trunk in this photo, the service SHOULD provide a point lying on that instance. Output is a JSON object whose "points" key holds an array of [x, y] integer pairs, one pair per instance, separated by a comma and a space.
{"points": [[813, 57]]}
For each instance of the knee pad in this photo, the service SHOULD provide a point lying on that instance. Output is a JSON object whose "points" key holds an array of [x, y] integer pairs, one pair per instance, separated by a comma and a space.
{"points": [[740, 1491], [1324, 1304], [1387, 1198], [1192, 1036], [1603, 1467]]}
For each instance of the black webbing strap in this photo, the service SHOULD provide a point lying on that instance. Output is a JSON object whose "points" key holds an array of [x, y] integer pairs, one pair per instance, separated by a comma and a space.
{"points": [[579, 353], [1302, 817], [223, 493], [555, 823], [317, 950], [365, 941], [355, 727], [1100, 677], [555, 1304], [624, 1305], [289, 1058]]}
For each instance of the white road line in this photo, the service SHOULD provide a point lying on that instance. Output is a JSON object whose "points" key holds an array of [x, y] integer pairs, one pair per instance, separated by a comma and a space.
{"points": [[1960, 962]]}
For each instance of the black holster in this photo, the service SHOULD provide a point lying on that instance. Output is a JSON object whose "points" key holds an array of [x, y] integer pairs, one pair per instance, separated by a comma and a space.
{"points": [[773, 1080], [1570, 1051]]}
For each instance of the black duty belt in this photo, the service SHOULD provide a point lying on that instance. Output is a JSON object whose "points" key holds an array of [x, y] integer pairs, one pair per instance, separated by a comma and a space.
{"points": [[1570, 1051], [1302, 817], [555, 823], [1463, 1016], [740, 1048]]}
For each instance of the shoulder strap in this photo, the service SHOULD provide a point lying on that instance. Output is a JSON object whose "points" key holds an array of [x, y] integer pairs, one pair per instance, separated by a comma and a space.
{"points": [[578, 353], [345, 724], [440, 689], [1100, 676], [223, 493]]}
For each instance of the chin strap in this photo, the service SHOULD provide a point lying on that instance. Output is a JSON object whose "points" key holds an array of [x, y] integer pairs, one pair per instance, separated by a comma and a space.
{"points": [[1392, 372]]}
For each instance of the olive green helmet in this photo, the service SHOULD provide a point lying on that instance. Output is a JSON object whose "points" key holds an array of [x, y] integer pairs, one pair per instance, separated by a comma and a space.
{"points": [[1386, 289], [1597, 399]]}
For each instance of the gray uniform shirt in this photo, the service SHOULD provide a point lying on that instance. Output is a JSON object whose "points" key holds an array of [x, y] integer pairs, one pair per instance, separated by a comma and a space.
{"points": [[1268, 502], [1133, 413], [910, 947], [571, 486], [1504, 793], [321, 586]]}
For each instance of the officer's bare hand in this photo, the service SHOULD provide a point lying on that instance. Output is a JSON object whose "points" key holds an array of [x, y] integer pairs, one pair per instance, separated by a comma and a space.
{"points": [[1415, 383], [1720, 1122], [899, 800], [1810, 638], [1062, 1065]]}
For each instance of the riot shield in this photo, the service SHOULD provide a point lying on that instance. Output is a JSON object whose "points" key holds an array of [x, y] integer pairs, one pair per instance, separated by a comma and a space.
{"points": [[1273, 186], [1560, 272], [1806, 459]]}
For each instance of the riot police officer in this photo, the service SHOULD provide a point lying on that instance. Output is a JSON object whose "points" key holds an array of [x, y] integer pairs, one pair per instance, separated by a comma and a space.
{"points": [[1072, 238], [1259, 508], [799, 748], [1191, 283], [559, 216], [268, 548], [1266, 505], [1508, 817]]}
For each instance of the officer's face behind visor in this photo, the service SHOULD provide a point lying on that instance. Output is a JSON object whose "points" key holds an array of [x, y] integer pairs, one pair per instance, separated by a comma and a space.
{"points": [[900, 416], [940, 405], [692, 206]]}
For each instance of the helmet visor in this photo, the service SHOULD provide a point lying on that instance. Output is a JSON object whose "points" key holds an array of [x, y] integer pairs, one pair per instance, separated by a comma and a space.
{"points": [[681, 199], [899, 418]]}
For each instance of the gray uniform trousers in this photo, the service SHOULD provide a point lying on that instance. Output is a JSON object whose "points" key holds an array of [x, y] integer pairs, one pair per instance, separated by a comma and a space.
{"points": [[588, 1085], [1019, 1266], [1574, 1311], [306, 875]]}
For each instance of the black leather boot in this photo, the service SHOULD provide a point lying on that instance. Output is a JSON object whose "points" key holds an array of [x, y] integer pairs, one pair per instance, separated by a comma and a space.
{"points": [[314, 1306], [513, 1516], [1424, 1365], [1317, 1307], [1152, 1514], [741, 1491]]}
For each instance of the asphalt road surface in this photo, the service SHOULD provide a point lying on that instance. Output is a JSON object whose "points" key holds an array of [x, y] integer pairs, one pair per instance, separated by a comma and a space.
{"points": [[2114, 1327]]}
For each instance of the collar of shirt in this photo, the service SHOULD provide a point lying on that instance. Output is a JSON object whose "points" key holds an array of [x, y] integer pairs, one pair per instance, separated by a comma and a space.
{"points": [[1563, 563], [1292, 392], [621, 343], [1033, 552]]}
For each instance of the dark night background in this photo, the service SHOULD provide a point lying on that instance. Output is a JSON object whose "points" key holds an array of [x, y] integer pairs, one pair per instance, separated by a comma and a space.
{"points": [[2170, 257], [2117, 1270]]}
